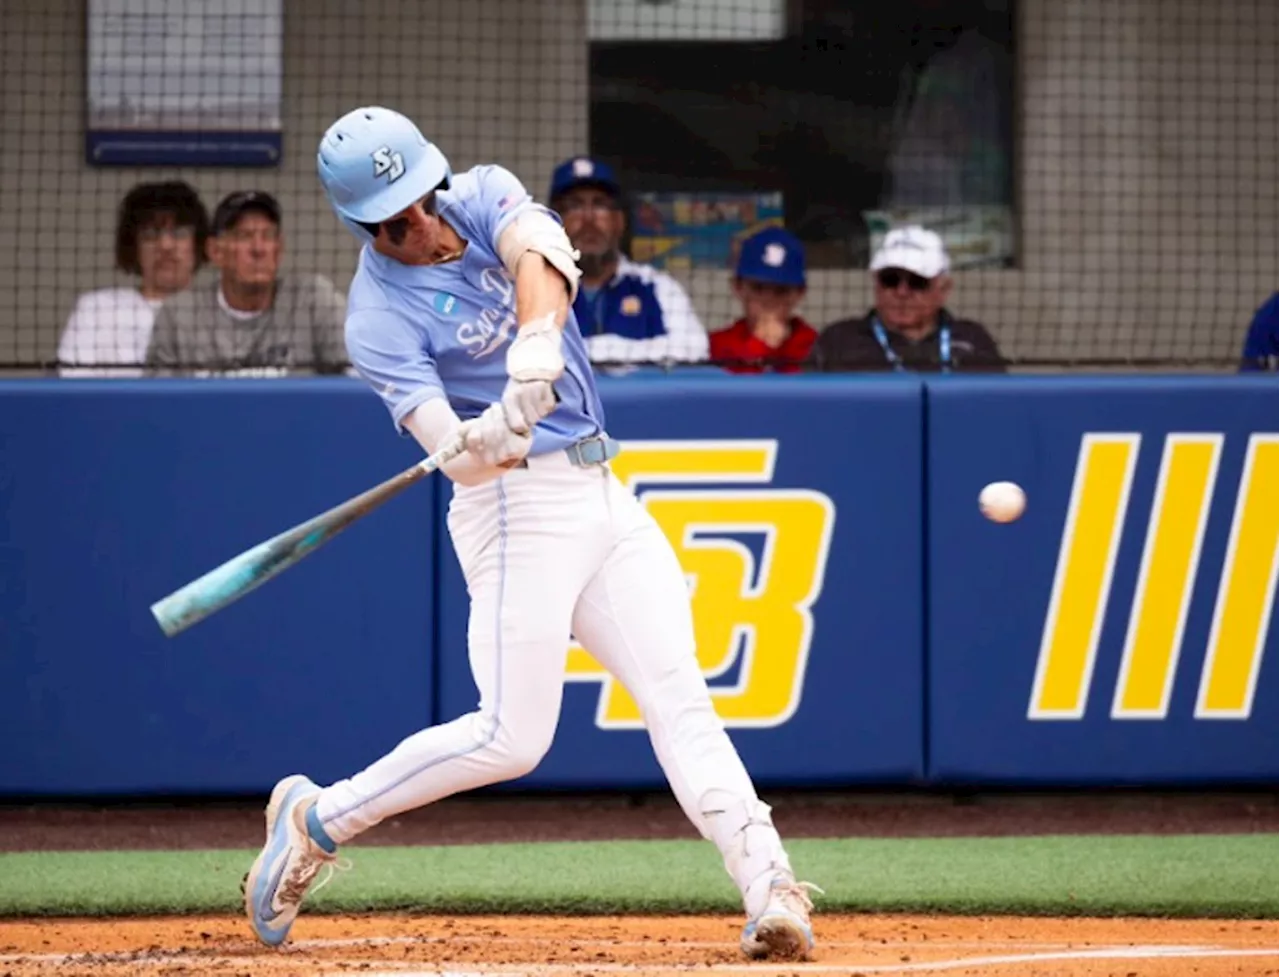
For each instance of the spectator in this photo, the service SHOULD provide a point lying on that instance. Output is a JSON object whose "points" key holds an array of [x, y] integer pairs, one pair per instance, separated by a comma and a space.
{"points": [[628, 312], [770, 282], [1260, 343], [252, 320], [160, 237], [910, 327]]}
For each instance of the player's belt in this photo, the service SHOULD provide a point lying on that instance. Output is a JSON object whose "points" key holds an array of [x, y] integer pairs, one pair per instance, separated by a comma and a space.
{"points": [[592, 451], [588, 451]]}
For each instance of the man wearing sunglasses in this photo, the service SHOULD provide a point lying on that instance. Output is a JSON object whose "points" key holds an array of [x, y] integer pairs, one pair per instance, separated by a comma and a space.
{"points": [[910, 327]]}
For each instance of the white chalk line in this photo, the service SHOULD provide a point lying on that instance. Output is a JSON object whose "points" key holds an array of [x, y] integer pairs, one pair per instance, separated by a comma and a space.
{"points": [[401, 968], [1126, 953], [321, 944]]}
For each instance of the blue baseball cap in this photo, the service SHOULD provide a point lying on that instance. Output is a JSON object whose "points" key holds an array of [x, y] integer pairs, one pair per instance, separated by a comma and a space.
{"points": [[584, 171], [773, 255]]}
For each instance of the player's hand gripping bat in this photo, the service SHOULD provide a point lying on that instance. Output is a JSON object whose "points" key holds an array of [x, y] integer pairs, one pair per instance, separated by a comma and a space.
{"points": [[241, 574]]}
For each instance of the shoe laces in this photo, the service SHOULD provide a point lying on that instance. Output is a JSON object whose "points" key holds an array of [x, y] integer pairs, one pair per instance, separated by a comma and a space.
{"points": [[304, 869], [332, 867], [795, 895]]}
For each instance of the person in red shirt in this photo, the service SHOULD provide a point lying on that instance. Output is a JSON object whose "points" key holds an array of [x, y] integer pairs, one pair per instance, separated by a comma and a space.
{"points": [[769, 281]]}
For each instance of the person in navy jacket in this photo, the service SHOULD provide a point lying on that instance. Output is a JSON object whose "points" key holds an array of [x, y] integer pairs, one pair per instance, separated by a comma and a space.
{"points": [[1263, 338], [628, 312]]}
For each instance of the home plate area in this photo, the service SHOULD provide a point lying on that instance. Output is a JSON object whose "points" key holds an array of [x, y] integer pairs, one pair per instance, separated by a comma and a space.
{"points": [[552, 946]]}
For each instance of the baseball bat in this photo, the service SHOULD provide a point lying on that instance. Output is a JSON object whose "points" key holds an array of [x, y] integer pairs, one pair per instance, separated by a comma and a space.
{"points": [[232, 580]]}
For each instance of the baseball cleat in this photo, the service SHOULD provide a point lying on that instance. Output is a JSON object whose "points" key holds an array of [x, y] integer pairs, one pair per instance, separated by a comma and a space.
{"points": [[287, 865], [782, 930]]}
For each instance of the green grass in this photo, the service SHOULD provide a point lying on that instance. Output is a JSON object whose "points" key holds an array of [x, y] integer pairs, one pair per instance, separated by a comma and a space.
{"points": [[1204, 875]]}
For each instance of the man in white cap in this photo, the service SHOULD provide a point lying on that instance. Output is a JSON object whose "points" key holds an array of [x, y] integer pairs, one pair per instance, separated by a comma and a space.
{"points": [[910, 327]]}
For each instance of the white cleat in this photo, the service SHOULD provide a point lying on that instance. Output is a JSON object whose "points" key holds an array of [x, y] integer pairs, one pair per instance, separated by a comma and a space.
{"points": [[782, 930], [287, 864]]}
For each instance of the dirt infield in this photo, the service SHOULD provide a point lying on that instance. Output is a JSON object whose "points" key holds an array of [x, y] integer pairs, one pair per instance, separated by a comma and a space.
{"points": [[643, 947], [472, 946]]}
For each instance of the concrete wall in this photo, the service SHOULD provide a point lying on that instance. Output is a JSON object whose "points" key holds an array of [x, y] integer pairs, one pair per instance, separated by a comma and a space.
{"points": [[1147, 169]]}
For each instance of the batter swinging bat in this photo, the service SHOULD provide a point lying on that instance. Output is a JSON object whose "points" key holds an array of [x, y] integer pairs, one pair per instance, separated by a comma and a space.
{"points": [[241, 574]]}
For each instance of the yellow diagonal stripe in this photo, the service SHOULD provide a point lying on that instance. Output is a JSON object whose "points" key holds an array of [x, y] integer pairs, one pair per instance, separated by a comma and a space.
{"points": [[1246, 591], [1167, 575], [1091, 536]]}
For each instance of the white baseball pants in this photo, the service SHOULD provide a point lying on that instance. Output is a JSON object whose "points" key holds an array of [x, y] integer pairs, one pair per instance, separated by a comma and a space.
{"points": [[548, 551]]}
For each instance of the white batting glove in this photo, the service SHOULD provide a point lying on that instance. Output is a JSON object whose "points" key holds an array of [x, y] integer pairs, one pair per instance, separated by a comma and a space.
{"points": [[535, 352], [491, 439], [527, 403]]}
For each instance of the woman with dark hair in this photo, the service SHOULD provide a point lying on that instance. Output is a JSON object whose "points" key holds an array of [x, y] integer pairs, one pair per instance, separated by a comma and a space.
{"points": [[160, 238]]}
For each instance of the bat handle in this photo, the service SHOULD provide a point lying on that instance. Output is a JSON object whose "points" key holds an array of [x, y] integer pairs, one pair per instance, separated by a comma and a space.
{"points": [[443, 456]]}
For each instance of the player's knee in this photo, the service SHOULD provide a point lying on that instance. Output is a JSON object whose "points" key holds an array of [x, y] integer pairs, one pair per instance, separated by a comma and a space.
{"points": [[517, 750], [520, 758]]}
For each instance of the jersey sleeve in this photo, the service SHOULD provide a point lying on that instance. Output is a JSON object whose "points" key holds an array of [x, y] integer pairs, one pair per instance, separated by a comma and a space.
{"points": [[1260, 341], [501, 197], [329, 309], [164, 350], [76, 345], [987, 356], [843, 346], [393, 359], [686, 336]]}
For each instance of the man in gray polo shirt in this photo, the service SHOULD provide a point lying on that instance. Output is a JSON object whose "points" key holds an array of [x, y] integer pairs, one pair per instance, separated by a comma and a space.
{"points": [[252, 321]]}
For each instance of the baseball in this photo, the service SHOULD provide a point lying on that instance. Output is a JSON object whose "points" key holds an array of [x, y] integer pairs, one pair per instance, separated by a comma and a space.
{"points": [[1002, 501]]}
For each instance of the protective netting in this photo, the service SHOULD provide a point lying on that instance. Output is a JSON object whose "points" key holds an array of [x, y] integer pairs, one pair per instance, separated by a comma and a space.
{"points": [[1101, 173]]}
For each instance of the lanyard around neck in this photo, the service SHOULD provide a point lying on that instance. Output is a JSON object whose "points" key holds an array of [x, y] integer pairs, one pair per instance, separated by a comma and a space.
{"points": [[944, 345]]}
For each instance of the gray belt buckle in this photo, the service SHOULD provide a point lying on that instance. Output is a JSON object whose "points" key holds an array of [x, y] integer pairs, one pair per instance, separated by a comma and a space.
{"points": [[589, 451]]}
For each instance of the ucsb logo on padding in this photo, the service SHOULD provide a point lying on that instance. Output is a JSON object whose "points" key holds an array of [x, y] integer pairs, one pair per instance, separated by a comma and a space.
{"points": [[751, 613], [1155, 636]]}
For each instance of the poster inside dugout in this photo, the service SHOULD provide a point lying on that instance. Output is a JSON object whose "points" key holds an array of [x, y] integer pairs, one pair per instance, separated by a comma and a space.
{"points": [[975, 236], [184, 82], [677, 231]]}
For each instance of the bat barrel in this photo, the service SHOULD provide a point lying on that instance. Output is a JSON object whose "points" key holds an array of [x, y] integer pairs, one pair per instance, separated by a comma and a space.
{"points": [[215, 590], [241, 574]]}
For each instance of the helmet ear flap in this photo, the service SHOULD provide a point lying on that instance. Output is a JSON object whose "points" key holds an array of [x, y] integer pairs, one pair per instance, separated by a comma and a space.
{"points": [[358, 229]]}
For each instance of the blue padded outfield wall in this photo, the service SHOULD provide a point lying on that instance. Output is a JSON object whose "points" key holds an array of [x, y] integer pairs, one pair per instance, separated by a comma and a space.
{"points": [[871, 627]]}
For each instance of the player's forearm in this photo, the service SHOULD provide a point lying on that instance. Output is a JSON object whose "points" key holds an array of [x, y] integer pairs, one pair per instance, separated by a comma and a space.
{"points": [[542, 294], [535, 360]]}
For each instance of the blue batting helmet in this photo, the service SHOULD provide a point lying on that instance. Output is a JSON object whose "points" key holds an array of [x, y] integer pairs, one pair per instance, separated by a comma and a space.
{"points": [[373, 163]]}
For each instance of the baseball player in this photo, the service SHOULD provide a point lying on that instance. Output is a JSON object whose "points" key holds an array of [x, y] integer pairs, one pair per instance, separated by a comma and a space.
{"points": [[459, 317]]}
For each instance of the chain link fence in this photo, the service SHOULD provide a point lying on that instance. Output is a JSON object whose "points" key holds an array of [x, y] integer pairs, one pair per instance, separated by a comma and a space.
{"points": [[1100, 175]]}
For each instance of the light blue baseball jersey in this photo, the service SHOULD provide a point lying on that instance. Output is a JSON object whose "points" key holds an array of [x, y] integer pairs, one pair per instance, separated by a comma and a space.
{"points": [[415, 332]]}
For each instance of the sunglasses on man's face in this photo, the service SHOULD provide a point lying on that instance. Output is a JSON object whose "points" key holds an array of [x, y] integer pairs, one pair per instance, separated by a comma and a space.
{"points": [[891, 278]]}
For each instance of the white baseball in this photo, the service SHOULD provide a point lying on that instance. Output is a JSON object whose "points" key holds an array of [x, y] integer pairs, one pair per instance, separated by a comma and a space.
{"points": [[1002, 501]]}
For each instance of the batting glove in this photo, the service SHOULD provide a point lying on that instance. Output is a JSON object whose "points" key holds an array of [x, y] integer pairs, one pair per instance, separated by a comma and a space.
{"points": [[534, 363], [527, 403], [535, 353], [491, 438]]}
